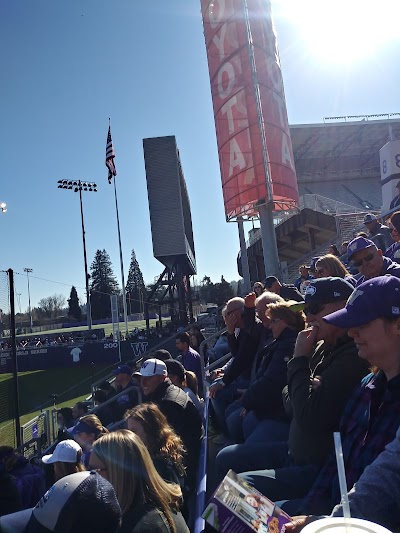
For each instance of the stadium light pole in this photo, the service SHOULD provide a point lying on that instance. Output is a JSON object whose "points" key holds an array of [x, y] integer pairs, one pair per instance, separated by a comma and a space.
{"points": [[79, 186], [29, 271], [3, 207]]}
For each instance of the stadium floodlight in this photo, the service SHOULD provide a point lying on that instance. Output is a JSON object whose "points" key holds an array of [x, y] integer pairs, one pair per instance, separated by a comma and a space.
{"points": [[3, 207], [79, 186]]}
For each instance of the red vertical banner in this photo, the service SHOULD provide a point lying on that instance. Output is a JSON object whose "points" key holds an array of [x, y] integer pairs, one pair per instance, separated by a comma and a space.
{"points": [[235, 108]]}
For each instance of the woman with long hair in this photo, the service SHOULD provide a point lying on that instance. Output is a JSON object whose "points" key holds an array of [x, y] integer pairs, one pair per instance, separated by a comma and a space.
{"points": [[146, 500], [66, 459], [185, 380], [165, 447], [330, 266], [86, 431]]}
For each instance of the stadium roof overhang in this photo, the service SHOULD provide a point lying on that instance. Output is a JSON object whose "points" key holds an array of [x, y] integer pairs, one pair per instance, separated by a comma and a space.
{"points": [[330, 149]]}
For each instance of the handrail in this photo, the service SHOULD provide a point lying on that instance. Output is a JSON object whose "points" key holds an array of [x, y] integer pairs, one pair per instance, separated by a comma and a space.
{"points": [[199, 523], [115, 397], [201, 352]]}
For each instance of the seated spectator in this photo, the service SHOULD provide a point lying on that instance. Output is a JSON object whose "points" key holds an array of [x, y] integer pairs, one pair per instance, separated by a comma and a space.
{"points": [[66, 459], [147, 502], [370, 261], [393, 252], [165, 447], [108, 388], [163, 355], [190, 358], [79, 409], [196, 337], [396, 200], [106, 413], [258, 288], [178, 409], [124, 381], [371, 417], [243, 343], [325, 365], [86, 431], [302, 281], [287, 292], [78, 503], [333, 250], [177, 374], [219, 349], [24, 481], [375, 228], [65, 420], [330, 266], [260, 414]]}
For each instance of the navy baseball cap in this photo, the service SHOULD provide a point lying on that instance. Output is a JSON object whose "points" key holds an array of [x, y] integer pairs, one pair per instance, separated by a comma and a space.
{"points": [[175, 368], [82, 427], [327, 290], [122, 369], [376, 298], [77, 503], [357, 244], [369, 217]]}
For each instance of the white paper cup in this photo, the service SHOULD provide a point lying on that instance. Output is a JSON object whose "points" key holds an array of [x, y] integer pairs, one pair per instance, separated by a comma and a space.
{"points": [[340, 525]]}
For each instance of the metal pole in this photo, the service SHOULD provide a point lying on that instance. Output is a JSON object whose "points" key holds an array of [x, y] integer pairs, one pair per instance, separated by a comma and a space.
{"points": [[14, 357], [268, 237], [121, 261], [28, 270], [88, 304], [243, 257]]}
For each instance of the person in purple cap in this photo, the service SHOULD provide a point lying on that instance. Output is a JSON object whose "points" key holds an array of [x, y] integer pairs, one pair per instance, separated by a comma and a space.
{"points": [[370, 260], [371, 417]]}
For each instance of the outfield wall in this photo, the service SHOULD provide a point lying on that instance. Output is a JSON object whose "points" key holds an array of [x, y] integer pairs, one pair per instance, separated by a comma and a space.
{"points": [[44, 357]]}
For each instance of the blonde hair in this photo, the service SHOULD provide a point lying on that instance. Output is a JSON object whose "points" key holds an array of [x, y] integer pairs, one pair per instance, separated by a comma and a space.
{"points": [[191, 382], [289, 312], [132, 474], [163, 442], [333, 265]]}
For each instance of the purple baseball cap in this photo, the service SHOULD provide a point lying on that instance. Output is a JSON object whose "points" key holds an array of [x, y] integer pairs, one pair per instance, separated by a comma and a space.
{"points": [[122, 369], [357, 244], [376, 298]]}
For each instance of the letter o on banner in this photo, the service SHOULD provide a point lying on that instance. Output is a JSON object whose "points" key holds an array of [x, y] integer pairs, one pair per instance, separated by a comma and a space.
{"points": [[230, 71], [214, 21]]}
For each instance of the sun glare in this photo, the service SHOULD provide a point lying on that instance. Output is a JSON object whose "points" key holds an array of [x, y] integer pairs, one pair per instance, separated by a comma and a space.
{"points": [[342, 31]]}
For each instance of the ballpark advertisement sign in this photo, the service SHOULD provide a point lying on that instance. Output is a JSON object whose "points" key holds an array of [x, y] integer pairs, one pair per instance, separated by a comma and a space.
{"points": [[249, 105]]}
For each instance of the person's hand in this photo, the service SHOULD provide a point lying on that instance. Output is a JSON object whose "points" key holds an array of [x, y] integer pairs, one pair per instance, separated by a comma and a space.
{"points": [[243, 412], [298, 522], [305, 342], [217, 373], [215, 388], [250, 300], [231, 322]]}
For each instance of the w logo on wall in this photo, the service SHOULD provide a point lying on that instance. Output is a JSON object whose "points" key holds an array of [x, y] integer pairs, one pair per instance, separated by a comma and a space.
{"points": [[139, 348]]}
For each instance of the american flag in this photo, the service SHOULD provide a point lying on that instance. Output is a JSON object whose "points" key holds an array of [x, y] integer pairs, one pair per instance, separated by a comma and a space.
{"points": [[110, 154]]}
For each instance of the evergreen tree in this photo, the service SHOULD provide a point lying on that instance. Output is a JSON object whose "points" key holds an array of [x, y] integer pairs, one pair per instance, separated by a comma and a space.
{"points": [[74, 309], [224, 292], [102, 284], [135, 286]]}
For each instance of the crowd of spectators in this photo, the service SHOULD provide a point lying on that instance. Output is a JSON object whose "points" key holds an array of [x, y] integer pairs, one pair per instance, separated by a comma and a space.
{"points": [[304, 367]]}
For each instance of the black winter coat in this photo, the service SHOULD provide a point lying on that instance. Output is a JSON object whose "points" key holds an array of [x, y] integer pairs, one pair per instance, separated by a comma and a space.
{"points": [[264, 396]]}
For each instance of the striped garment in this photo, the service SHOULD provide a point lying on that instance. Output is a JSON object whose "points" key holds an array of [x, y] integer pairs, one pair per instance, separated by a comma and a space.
{"points": [[110, 154]]}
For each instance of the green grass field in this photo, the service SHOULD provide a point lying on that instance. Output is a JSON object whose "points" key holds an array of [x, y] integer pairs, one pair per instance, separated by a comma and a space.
{"points": [[35, 388]]}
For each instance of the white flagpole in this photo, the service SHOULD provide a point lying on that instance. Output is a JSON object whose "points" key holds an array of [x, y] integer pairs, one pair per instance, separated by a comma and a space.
{"points": [[121, 261]]}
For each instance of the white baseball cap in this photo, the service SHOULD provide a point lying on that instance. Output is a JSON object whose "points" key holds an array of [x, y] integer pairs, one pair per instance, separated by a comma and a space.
{"points": [[152, 367], [66, 452]]}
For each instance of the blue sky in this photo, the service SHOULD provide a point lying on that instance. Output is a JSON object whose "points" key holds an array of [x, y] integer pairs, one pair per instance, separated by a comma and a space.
{"points": [[68, 66]]}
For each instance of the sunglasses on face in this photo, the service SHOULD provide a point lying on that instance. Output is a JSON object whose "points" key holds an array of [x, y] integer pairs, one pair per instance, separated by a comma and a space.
{"points": [[365, 259], [313, 309]]}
